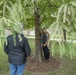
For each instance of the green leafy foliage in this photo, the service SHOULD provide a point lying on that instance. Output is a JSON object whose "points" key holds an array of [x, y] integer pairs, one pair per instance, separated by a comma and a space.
{"points": [[65, 19], [54, 14]]}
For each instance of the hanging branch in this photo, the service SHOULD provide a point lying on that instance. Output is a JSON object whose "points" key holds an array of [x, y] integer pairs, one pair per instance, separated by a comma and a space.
{"points": [[49, 4], [4, 8], [35, 6]]}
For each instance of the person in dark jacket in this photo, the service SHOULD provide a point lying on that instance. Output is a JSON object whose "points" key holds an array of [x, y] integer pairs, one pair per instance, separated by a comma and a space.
{"points": [[17, 53], [45, 39]]}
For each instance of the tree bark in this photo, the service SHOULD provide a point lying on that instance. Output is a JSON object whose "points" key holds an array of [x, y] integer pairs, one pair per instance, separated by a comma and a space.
{"points": [[38, 51], [64, 35]]}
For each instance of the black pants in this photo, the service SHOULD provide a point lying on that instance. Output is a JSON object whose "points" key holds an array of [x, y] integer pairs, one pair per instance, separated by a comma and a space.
{"points": [[46, 52]]}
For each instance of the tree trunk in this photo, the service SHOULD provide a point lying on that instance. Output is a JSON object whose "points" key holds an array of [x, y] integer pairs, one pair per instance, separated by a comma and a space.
{"points": [[38, 51], [64, 35]]}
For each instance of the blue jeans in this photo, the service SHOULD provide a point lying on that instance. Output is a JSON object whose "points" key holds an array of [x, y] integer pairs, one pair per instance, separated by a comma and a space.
{"points": [[17, 69]]}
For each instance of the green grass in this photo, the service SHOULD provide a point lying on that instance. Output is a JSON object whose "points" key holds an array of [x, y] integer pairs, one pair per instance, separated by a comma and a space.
{"points": [[67, 48], [67, 67], [32, 44]]}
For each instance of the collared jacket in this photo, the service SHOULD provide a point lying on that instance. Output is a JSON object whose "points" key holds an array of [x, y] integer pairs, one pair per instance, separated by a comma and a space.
{"points": [[45, 39], [17, 53]]}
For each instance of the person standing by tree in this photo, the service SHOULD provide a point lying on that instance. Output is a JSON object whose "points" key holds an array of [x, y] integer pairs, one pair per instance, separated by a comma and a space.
{"points": [[17, 53], [45, 36]]}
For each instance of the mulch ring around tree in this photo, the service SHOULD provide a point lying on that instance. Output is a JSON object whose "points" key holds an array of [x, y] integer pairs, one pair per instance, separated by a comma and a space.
{"points": [[36, 66]]}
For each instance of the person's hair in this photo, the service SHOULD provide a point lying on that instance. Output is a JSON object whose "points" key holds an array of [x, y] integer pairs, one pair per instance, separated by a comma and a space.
{"points": [[44, 28], [42, 31]]}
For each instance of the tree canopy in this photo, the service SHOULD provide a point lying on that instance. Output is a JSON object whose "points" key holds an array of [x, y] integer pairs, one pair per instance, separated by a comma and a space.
{"points": [[57, 15]]}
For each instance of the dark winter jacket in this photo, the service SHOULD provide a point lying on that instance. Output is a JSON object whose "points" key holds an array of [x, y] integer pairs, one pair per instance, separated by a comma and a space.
{"points": [[17, 53]]}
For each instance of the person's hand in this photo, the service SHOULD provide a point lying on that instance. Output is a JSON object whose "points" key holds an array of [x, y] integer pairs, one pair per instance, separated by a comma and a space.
{"points": [[45, 44]]}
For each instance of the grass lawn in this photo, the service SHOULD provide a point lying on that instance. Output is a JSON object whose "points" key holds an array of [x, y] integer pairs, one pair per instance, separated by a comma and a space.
{"points": [[67, 67]]}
